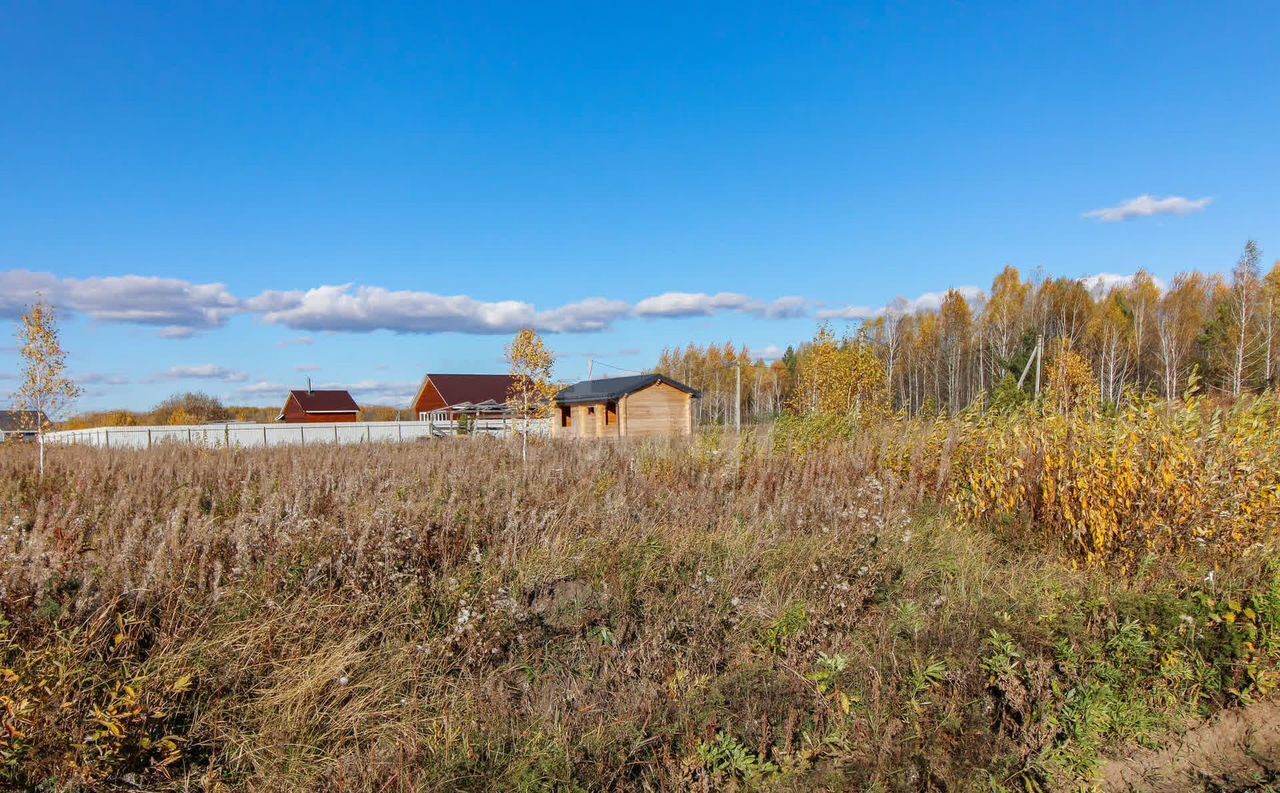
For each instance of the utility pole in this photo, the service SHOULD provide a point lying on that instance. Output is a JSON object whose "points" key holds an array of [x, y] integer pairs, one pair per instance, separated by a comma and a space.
{"points": [[1036, 352], [591, 362], [1039, 356], [737, 399]]}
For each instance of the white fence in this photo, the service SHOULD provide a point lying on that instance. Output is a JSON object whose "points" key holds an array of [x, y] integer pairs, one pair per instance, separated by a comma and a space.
{"points": [[235, 434]]}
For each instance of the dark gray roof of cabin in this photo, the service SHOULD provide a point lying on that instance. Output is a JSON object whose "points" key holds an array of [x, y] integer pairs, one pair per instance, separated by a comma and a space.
{"points": [[609, 388], [20, 420]]}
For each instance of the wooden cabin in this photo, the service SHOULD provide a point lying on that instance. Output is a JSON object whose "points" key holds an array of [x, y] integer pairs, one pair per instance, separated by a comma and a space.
{"points": [[639, 406], [447, 397], [307, 406]]}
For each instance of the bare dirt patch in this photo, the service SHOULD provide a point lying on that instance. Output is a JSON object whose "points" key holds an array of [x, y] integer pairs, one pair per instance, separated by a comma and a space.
{"points": [[1234, 750]]}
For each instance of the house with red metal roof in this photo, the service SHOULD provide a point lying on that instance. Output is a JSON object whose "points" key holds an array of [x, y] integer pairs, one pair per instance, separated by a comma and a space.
{"points": [[306, 406], [451, 396]]}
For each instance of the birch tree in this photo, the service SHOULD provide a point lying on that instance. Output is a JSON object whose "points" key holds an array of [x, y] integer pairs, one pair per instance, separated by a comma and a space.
{"points": [[1241, 310], [955, 319], [1142, 296], [532, 392], [1110, 333], [1270, 321], [1004, 317], [839, 377], [43, 387], [1180, 317]]}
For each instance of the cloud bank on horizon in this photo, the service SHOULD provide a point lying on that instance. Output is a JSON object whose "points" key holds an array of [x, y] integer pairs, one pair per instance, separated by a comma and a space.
{"points": [[205, 371], [178, 307], [182, 309], [1146, 205], [168, 303], [679, 305], [929, 301]]}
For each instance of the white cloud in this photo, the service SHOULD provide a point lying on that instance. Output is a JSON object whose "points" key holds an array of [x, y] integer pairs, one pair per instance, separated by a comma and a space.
{"points": [[690, 304], [367, 308], [790, 307], [1102, 283], [851, 313], [263, 387], [262, 392], [1148, 205], [180, 307], [593, 314], [932, 301], [306, 367], [204, 371], [674, 305], [100, 378], [378, 392], [929, 301]]}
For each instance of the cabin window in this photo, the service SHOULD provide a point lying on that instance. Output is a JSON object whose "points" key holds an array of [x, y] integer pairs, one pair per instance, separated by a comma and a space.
{"points": [[566, 416], [591, 410], [611, 414]]}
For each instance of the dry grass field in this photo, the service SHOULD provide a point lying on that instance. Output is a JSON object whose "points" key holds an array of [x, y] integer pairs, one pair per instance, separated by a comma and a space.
{"points": [[996, 603]]}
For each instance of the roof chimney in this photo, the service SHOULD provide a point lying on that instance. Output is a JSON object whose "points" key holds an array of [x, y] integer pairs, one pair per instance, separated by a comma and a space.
{"points": [[308, 385]]}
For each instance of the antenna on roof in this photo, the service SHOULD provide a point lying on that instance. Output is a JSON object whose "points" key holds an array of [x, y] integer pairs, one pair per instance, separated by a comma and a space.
{"points": [[308, 385], [591, 362]]}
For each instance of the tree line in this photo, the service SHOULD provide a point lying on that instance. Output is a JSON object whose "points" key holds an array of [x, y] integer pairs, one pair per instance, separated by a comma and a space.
{"points": [[1136, 335]]}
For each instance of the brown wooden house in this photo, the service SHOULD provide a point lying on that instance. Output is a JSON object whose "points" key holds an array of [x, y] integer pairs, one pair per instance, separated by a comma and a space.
{"points": [[307, 406], [475, 395], [639, 406]]}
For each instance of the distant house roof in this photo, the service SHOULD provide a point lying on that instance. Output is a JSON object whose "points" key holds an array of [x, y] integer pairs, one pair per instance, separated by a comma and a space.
{"points": [[456, 389], [323, 401], [608, 388], [21, 420]]}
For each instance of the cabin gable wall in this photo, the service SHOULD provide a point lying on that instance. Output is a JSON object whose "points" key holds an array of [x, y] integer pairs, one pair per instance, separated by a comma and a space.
{"points": [[657, 411]]}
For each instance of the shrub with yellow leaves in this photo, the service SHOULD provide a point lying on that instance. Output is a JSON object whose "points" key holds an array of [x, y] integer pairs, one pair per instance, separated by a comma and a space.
{"points": [[77, 715], [1071, 384], [1167, 476]]}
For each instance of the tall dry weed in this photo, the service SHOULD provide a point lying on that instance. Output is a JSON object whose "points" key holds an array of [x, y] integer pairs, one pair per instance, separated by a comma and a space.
{"points": [[660, 616]]}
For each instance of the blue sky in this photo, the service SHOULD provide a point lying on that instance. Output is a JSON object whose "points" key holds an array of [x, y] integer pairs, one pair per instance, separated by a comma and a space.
{"points": [[365, 193]]}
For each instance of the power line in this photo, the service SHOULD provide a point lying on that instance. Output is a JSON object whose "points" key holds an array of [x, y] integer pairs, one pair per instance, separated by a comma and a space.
{"points": [[729, 366], [724, 367], [619, 368]]}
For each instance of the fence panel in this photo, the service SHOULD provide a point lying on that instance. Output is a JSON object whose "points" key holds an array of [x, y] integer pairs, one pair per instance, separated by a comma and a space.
{"points": [[257, 435]]}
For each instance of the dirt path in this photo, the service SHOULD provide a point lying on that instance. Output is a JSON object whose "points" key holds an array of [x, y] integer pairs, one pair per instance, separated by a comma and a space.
{"points": [[1234, 750]]}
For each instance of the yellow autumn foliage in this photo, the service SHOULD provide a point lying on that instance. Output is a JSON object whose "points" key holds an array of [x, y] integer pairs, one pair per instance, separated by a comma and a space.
{"points": [[1157, 476], [839, 377], [1071, 384]]}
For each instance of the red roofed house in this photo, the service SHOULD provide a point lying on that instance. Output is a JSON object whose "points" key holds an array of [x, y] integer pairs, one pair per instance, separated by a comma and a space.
{"points": [[479, 396], [307, 406]]}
